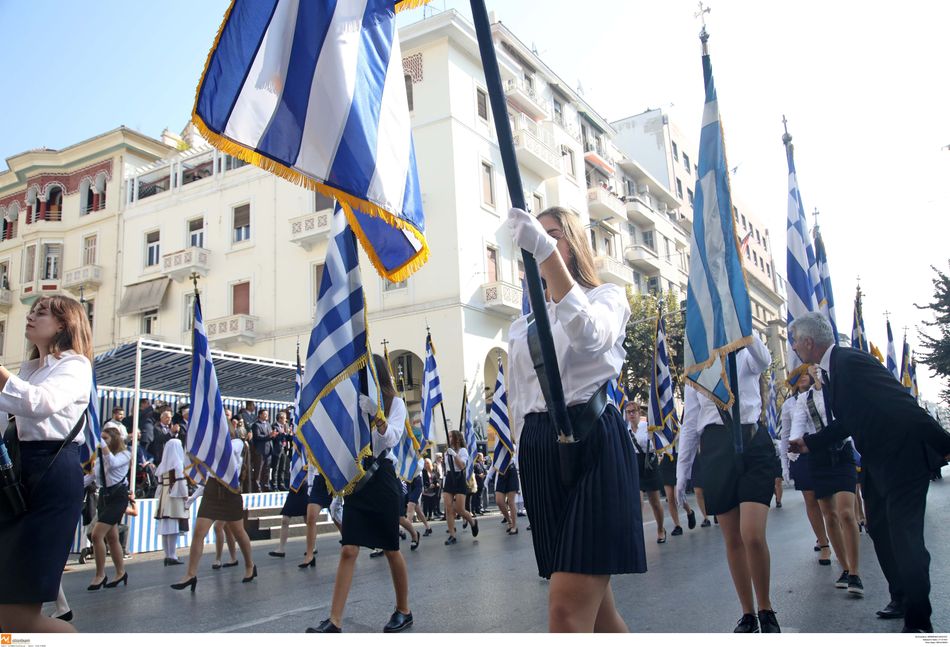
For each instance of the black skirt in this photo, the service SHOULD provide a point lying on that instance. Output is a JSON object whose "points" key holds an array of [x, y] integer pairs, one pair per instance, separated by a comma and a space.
{"points": [[649, 480], [696, 478], [834, 471], [455, 483], [218, 503], [371, 516], [668, 471], [596, 527], [34, 548], [799, 470], [508, 482], [295, 505], [112, 504], [319, 494], [730, 479]]}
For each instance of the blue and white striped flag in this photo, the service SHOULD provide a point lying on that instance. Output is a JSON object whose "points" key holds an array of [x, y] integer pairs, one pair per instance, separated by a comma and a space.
{"points": [[616, 394], [431, 394], [471, 442], [315, 93], [208, 439], [498, 420], [661, 416], [804, 283], [859, 338], [298, 461], [892, 354], [93, 431], [827, 305], [406, 451], [335, 435], [718, 310], [771, 411]]}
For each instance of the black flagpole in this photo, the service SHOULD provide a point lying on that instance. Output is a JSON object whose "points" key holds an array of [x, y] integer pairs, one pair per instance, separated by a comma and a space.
{"points": [[506, 146]]}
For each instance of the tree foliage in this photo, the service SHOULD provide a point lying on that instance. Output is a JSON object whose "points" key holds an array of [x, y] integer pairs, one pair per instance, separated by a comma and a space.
{"points": [[937, 355], [640, 341]]}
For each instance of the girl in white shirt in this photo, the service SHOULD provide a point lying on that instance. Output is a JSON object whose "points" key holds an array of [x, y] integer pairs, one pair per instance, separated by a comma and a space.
{"points": [[456, 486], [49, 398], [115, 461]]}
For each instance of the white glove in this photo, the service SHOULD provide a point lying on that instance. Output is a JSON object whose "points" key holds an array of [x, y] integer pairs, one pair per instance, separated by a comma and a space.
{"points": [[529, 235], [681, 491], [367, 405]]}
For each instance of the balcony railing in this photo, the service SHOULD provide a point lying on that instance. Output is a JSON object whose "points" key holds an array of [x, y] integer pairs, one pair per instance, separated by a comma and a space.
{"points": [[31, 291], [527, 99], [181, 264], [597, 156], [603, 205], [643, 257], [232, 329], [311, 228], [640, 211], [534, 147], [502, 297], [83, 278], [613, 271]]}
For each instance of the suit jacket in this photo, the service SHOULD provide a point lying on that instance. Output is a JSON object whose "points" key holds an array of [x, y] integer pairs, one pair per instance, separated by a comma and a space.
{"points": [[147, 425], [260, 437], [898, 440]]}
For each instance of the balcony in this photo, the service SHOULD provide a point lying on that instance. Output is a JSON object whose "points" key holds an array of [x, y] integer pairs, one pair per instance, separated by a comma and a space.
{"points": [[611, 270], [6, 298], [180, 265], [639, 210], [535, 148], [312, 228], [504, 298], [526, 99], [643, 258], [232, 329], [603, 205], [31, 291], [597, 156], [87, 277]]}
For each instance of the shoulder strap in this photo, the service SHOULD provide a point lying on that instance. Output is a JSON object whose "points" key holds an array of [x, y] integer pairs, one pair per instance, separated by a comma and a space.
{"points": [[72, 436]]}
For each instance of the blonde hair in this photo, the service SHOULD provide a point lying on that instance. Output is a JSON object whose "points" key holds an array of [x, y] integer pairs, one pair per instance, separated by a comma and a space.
{"points": [[581, 264], [76, 334]]}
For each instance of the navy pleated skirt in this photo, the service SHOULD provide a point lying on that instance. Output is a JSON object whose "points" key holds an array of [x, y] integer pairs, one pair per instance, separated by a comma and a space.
{"points": [[295, 505], [319, 494], [371, 516], [595, 528], [34, 548]]}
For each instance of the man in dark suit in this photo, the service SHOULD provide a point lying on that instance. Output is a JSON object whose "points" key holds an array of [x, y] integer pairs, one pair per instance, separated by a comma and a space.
{"points": [[261, 440], [900, 445], [146, 422]]}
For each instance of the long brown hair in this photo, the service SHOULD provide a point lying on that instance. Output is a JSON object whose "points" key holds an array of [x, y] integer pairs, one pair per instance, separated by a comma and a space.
{"points": [[456, 434], [581, 264], [76, 334], [385, 382]]}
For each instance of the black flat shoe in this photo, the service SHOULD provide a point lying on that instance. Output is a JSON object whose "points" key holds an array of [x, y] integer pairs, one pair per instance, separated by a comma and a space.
{"points": [[891, 611], [474, 534], [451, 540], [415, 542], [377, 553], [325, 627], [402, 535], [398, 621], [748, 624], [216, 566], [427, 532], [705, 523], [512, 531], [778, 504], [96, 587], [275, 553], [768, 623], [690, 519], [180, 586], [251, 578], [122, 580], [661, 540], [677, 531], [230, 564], [66, 617], [173, 562], [311, 564]]}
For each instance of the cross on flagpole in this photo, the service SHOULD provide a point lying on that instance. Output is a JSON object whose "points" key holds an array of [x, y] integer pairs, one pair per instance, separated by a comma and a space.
{"points": [[815, 215]]}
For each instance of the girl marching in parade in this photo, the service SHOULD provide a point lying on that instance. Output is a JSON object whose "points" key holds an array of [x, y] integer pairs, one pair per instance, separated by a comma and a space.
{"points": [[456, 487], [114, 463], [507, 486], [589, 530], [171, 513], [647, 465]]}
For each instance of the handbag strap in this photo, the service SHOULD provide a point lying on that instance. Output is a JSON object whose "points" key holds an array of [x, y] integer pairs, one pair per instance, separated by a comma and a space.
{"points": [[69, 439]]}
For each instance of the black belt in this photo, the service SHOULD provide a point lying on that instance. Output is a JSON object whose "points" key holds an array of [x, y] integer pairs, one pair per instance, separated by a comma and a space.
{"points": [[583, 416]]}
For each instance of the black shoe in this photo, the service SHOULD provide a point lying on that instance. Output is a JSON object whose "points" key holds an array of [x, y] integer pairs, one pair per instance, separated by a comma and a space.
{"points": [[377, 553], [716, 520], [415, 542], [842, 582], [180, 586], [230, 564], [276, 553], [451, 540], [824, 562], [96, 587], [748, 624], [778, 504], [661, 540], [891, 611], [928, 629], [325, 627], [855, 586], [512, 531], [216, 566], [677, 531], [402, 535], [768, 622], [398, 621], [173, 562], [817, 547], [427, 532], [474, 527], [311, 564], [705, 523], [245, 580], [122, 580], [66, 617], [690, 519]]}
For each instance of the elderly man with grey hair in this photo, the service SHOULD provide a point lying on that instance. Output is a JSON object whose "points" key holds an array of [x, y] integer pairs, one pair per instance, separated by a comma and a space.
{"points": [[900, 445]]}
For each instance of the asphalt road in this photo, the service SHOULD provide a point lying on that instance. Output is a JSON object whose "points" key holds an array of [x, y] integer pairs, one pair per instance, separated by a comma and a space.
{"points": [[491, 585]]}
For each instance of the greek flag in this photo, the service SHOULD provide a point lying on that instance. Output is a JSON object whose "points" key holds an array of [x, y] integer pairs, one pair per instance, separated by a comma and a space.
{"points": [[804, 283], [431, 393], [718, 310], [661, 416], [470, 441], [498, 420], [298, 461], [315, 93], [827, 304], [906, 377], [914, 390], [892, 354], [93, 432], [335, 435], [859, 338], [208, 439], [771, 411], [616, 394]]}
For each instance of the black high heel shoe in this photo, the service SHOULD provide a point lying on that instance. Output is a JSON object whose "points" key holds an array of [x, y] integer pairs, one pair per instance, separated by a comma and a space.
{"points": [[122, 580], [193, 582], [311, 564], [66, 617], [251, 578], [96, 587]]}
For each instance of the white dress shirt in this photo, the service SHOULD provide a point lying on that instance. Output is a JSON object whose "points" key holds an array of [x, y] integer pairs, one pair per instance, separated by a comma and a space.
{"points": [[642, 437], [116, 466], [802, 422], [785, 432], [395, 427], [237, 446], [462, 454], [49, 398], [589, 328], [700, 411]]}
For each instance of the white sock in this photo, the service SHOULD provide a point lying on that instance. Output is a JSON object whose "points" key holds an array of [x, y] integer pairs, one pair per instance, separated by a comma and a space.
{"points": [[62, 606], [170, 542]]}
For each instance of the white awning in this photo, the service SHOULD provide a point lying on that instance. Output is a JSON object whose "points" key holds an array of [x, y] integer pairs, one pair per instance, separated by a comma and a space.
{"points": [[142, 297]]}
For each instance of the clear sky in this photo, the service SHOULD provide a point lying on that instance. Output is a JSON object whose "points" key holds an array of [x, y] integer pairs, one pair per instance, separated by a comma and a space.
{"points": [[864, 89]]}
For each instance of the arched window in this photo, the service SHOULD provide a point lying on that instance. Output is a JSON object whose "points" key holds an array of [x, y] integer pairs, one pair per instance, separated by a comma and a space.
{"points": [[100, 202], [32, 204], [54, 203], [9, 222], [86, 197]]}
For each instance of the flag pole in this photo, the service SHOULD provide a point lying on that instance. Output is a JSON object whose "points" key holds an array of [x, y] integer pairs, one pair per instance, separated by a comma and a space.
{"points": [[445, 421], [506, 147]]}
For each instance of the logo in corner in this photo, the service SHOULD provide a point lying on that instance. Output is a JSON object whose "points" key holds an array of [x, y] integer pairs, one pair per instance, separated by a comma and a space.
{"points": [[6, 639]]}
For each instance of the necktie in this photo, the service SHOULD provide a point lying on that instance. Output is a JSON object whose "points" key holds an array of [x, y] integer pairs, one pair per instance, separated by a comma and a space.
{"points": [[826, 393]]}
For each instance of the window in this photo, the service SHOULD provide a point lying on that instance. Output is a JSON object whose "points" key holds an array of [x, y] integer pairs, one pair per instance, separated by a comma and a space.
{"points": [[679, 188], [317, 278], [53, 255], [755, 258], [196, 232], [152, 248], [89, 244], [653, 284], [558, 112], [676, 152], [648, 240], [408, 79], [537, 203], [689, 169], [389, 286], [689, 196], [608, 244], [491, 264], [744, 226], [669, 249], [241, 223], [150, 322], [189, 312], [241, 298], [3, 335], [768, 270], [29, 264], [747, 254], [757, 238], [481, 102], [488, 184], [321, 202], [4, 279], [90, 307], [567, 155]]}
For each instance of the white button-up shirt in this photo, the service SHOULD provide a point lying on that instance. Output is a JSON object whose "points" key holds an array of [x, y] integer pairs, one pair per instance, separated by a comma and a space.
{"points": [[395, 427], [48, 398]]}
